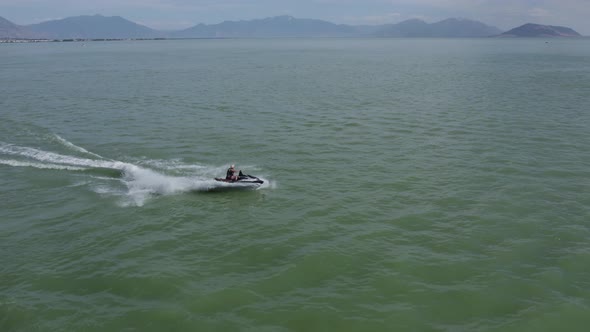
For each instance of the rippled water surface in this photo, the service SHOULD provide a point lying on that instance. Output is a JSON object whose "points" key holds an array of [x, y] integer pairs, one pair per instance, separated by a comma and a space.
{"points": [[409, 185]]}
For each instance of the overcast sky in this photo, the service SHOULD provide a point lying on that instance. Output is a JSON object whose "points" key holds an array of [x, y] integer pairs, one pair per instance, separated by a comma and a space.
{"points": [[176, 14]]}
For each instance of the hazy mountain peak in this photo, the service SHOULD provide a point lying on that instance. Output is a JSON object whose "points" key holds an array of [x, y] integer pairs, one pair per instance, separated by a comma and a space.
{"points": [[457, 19], [283, 17], [276, 26], [538, 30], [9, 30], [93, 26], [413, 21], [449, 28]]}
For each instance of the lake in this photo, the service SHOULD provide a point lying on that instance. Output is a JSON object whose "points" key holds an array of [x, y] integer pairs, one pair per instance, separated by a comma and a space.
{"points": [[410, 185]]}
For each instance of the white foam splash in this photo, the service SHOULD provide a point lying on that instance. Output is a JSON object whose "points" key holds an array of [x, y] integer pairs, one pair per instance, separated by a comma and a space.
{"points": [[140, 183]]}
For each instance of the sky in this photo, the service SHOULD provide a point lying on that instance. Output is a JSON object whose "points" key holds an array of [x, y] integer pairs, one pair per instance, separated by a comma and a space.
{"points": [[179, 14]]}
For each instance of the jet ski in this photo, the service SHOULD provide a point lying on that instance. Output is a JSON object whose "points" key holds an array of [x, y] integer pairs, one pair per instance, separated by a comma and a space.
{"points": [[242, 179]]}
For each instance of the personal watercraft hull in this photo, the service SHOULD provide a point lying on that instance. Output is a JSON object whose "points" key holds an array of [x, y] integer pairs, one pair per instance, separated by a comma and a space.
{"points": [[242, 179], [254, 181]]}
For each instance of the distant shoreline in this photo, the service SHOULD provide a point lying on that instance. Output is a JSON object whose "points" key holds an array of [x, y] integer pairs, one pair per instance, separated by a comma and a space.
{"points": [[78, 40]]}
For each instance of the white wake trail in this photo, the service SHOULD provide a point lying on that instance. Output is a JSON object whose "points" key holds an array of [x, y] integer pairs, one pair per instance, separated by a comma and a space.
{"points": [[74, 146], [56, 158], [17, 163], [140, 183]]}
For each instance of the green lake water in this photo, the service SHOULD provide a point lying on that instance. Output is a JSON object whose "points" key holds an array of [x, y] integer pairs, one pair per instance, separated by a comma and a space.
{"points": [[410, 185]]}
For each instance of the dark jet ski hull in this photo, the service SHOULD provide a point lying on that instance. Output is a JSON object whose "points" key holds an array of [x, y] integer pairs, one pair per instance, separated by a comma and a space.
{"points": [[242, 179], [258, 181]]}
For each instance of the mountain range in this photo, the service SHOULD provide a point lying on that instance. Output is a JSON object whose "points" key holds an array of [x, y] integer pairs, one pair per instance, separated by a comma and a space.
{"points": [[116, 27], [279, 26]]}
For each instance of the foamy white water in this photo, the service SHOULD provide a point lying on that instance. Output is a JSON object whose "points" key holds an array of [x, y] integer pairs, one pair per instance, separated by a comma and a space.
{"points": [[142, 183]]}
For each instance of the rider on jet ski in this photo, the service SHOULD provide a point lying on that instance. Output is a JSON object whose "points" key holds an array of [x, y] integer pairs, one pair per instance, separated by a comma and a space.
{"points": [[231, 177], [231, 174]]}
